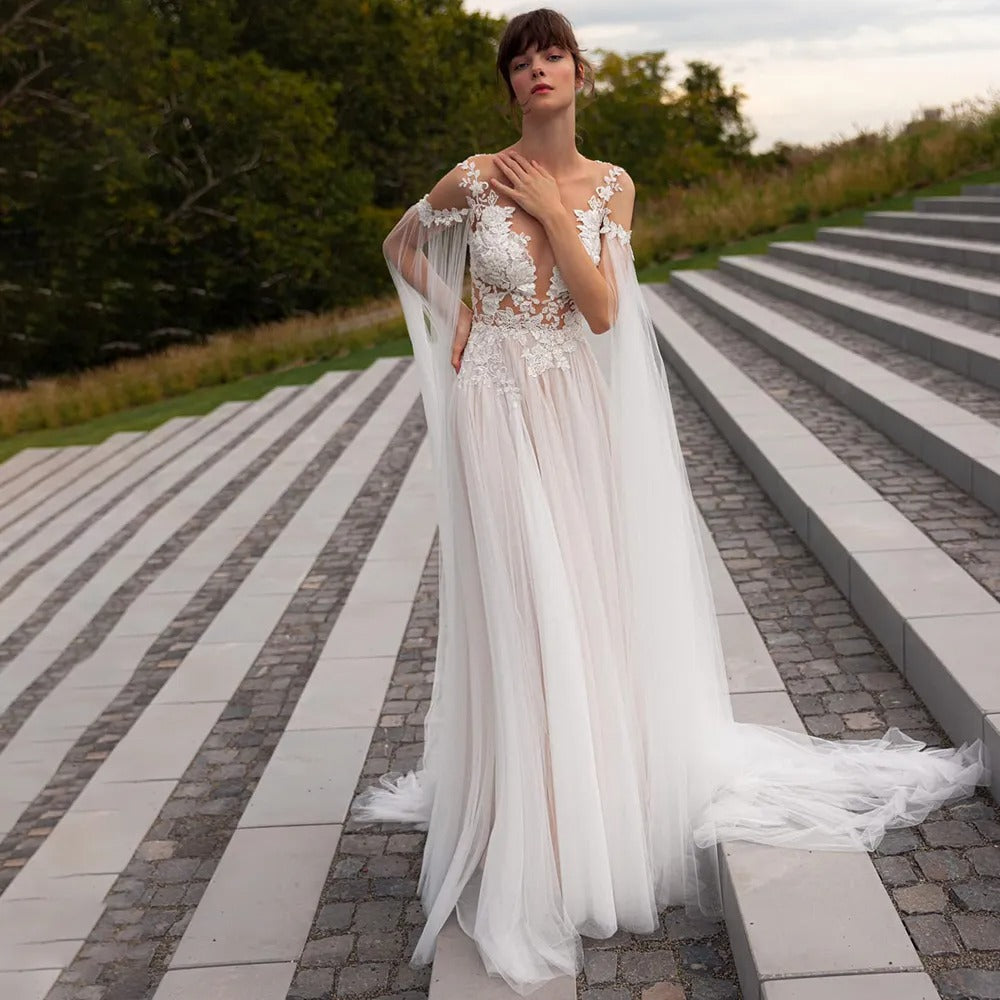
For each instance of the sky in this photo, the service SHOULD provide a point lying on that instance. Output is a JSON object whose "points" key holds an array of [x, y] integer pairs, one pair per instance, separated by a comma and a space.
{"points": [[812, 71]]}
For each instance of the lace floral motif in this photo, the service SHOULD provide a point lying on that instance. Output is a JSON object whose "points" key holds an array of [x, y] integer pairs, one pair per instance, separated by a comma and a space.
{"points": [[620, 233], [431, 216], [503, 271]]}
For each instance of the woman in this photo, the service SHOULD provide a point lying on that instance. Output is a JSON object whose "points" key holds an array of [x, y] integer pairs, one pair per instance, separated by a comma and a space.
{"points": [[581, 759]]}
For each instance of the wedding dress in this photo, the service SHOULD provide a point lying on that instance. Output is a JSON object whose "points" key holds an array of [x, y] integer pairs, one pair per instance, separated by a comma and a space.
{"points": [[580, 757]]}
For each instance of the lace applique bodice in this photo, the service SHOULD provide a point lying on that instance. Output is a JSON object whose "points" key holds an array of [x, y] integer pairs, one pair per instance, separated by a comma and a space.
{"points": [[505, 280]]}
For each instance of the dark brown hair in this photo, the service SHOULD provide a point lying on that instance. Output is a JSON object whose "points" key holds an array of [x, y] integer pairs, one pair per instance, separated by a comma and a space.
{"points": [[542, 27]]}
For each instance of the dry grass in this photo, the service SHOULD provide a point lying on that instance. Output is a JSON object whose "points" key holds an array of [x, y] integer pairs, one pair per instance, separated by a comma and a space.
{"points": [[852, 173], [227, 357]]}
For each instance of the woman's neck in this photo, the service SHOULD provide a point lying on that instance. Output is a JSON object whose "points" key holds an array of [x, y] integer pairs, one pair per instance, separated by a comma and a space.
{"points": [[552, 142]]}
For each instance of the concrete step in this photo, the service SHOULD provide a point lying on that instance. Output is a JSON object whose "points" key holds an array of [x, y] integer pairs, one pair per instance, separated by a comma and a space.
{"points": [[959, 348], [981, 190], [67, 486], [90, 685], [949, 225], [114, 505], [958, 205], [935, 621], [960, 291], [960, 445], [30, 477], [21, 461], [971, 254]]}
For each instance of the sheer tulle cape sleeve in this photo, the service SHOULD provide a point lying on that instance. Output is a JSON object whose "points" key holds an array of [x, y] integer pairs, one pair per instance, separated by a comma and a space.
{"points": [[710, 778], [426, 256]]}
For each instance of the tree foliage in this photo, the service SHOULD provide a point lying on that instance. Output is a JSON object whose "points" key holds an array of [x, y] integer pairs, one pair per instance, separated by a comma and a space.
{"points": [[169, 169]]}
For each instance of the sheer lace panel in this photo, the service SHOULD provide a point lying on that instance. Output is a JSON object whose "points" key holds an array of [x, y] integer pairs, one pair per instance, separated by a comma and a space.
{"points": [[507, 267]]}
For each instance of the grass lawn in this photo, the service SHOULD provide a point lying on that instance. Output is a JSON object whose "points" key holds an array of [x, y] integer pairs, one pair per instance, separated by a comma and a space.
{"points": [[196, 403]]}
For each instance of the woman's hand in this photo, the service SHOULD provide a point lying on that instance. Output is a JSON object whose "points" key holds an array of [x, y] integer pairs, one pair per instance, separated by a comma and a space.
{"points": [[462, 330], [533, 187]]}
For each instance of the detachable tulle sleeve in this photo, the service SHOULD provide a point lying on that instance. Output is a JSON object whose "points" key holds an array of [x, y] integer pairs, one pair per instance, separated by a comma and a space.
{"points": [[426, 255]]}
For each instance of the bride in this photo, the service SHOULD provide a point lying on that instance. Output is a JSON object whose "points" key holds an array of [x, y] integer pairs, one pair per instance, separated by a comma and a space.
{"points": [[581, 760]]}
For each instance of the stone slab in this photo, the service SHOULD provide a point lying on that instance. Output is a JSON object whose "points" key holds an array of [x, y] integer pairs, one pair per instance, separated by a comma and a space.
{"points": [[777, 893], [748, 664], [991, 737], [882, 986], [72, 483], [260, 903], [229, 982], [890, 588], [20, 957], [767, 708], [836, 531], [951, 662], [368, 628], [21, 461], [209, 672], [459, 974], [310, 778], [248, 617], [27, 985], [161, 743], [100, 833], [343, 692]]}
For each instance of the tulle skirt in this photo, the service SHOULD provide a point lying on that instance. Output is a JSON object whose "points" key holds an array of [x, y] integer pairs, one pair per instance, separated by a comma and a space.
{"points": [[574, 780]]}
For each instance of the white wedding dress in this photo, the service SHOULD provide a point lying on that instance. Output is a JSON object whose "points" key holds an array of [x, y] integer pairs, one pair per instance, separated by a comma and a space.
{"points": [[580, 756]]}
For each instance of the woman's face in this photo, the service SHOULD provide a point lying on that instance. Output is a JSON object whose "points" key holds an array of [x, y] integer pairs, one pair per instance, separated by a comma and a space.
{"points": [[543, 79]]}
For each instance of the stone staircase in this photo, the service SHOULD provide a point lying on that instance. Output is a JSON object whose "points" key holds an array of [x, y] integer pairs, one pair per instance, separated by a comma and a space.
{"points": [[856, 378], [214, 634]]}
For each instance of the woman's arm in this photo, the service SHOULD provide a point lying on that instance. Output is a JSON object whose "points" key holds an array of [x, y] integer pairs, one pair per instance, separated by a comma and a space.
{"points": [[445, 205], [617, 225]]}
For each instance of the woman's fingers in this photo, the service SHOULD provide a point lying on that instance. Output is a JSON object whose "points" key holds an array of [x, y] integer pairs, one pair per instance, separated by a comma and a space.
{"points": [[504, 165], [509, 191], [516, 163], [520, 162]]}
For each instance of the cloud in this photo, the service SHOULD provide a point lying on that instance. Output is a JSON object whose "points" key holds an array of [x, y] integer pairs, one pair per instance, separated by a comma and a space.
{"points": [[811, 71]]}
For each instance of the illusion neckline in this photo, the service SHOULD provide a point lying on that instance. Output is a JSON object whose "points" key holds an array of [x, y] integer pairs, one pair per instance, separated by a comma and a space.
{"points": [[595, 191]]}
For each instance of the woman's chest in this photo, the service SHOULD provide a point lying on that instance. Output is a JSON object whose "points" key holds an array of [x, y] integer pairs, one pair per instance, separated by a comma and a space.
{"points": [[509, 251]]}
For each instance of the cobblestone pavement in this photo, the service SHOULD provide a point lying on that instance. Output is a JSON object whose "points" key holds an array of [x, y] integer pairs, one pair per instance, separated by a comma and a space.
{"points": [[963, 528], [97, 630], [943, 875], [152, 902]]}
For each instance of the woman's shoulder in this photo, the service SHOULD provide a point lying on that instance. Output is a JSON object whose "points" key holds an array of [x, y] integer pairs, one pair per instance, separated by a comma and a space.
{"points": [[609, 167]]}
